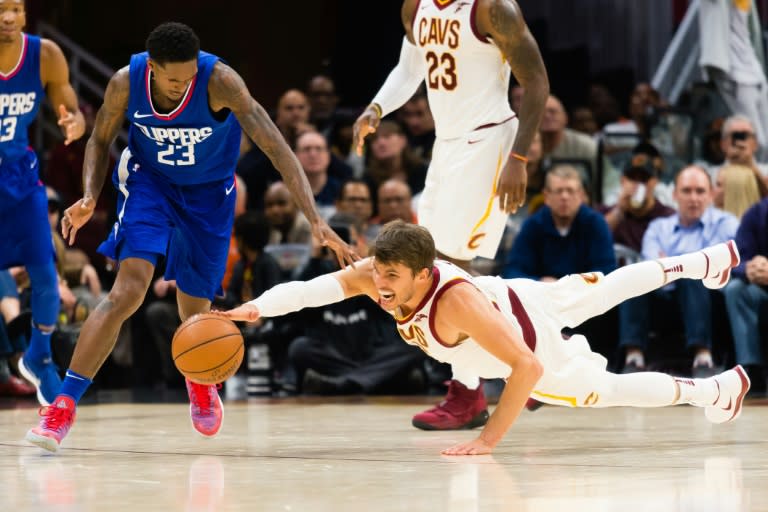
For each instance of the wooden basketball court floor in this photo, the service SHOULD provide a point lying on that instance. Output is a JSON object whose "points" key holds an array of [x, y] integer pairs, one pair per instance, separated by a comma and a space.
{"points": [[361, 454]]}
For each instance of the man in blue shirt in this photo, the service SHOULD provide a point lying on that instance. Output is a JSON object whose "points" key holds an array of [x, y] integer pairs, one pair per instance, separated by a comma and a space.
{"points": [[563, 237], [696, 225]]}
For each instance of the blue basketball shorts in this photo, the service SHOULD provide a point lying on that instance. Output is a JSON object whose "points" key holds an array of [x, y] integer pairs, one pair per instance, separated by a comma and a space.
{"points": [[189, 224], [25, 233]]}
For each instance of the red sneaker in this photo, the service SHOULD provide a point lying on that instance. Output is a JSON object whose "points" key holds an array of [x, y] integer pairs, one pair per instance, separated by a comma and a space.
{"points": [[57, 420], [532, 404], [205, 408], [15, 386], [462, 409]]}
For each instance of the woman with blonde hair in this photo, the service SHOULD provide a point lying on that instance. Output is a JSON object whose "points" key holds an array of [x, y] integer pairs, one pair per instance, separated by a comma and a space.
{"points": [[736, 188]]}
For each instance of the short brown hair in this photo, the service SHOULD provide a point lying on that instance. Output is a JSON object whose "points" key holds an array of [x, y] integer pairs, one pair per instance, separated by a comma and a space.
{"points": [[405, 243]]}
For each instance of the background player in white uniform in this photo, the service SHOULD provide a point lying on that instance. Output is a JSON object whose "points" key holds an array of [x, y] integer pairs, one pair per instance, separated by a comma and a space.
{"points": [[511, 328], [465, 50]]}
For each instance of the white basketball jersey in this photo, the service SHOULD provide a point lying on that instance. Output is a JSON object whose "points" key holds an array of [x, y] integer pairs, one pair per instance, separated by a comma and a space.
{"points": [[467, 76], [418, 327]]}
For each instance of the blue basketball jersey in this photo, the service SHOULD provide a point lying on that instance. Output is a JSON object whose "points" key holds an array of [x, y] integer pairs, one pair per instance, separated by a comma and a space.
{"points": [[21, 92], [189, 145]]}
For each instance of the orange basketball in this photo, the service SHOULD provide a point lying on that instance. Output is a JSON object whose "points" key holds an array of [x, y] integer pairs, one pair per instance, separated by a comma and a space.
{"points": [[207, 349]]}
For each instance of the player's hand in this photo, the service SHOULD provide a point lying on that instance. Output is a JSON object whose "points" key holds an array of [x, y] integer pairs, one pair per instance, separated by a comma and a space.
{"points": [[72, 125], [243, 313], [474, 447], [345, 254], [366, 124], [512, 185], [75, 216]]}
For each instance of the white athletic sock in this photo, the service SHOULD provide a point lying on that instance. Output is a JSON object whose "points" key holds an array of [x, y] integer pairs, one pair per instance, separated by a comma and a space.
{"points": [[646, 389], [692, 265], [699, 392]]}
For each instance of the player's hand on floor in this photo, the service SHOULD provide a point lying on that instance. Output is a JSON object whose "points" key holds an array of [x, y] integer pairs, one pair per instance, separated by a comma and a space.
{"points": [[243, 313], [75, 216], [474, 447]]}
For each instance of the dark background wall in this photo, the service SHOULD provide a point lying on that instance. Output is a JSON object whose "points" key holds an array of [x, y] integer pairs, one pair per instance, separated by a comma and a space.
{"points": [[278, 44], [274, 45]]}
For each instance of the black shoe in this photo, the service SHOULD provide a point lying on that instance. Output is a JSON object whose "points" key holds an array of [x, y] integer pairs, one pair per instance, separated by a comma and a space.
{"points": [[632, 367], [315, 383]]}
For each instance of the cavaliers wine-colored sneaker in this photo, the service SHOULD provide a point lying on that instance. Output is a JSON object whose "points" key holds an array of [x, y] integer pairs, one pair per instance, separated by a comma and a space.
{"points": [[462, 409], [205, 408], [56, 421]]}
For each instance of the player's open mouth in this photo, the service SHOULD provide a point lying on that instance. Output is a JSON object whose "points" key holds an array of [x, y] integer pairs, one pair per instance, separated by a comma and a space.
{"points": [[386, 298]]}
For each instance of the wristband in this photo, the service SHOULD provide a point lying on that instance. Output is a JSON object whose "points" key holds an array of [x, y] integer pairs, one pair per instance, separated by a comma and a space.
{"points": [[377, 109], [518, 156]]}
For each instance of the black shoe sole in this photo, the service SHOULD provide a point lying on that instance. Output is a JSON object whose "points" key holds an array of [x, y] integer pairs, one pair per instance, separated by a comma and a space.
{"points": [[478, 421]]}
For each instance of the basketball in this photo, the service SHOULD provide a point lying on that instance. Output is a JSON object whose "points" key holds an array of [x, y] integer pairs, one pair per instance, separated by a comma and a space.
{"points": [[207, 349]]}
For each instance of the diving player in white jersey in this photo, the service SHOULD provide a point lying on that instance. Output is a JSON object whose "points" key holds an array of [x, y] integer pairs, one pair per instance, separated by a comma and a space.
{"points": [[465, 50], [512, 328]]}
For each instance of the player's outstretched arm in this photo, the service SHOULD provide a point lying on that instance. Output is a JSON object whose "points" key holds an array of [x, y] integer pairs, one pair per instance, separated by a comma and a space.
{"points": [[465, 311], [109, 119], [296, 295], [503, 21], [227, 89], [54, 73]]}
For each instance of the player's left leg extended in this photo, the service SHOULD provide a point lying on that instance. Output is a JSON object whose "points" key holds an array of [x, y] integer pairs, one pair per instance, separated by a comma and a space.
{"points": [[37, 365], [721, 395], [205, 407], [584, 296]]}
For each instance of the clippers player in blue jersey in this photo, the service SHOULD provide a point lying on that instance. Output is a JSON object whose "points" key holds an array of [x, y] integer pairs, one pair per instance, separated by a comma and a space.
{"points": [[30, 69], [176, 198]]}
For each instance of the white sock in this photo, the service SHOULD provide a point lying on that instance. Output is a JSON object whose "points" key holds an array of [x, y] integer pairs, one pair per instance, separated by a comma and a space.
{"points": [[698, 392], [647, 389], [692, 265]]}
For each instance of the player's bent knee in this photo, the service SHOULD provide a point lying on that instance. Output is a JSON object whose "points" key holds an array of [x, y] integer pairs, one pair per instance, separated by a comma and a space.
{"points": [[125, 298]]}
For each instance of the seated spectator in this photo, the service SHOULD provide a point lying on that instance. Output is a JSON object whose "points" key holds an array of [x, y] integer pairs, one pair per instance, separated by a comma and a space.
{"points": [[736, 188], [292, 115], [696, 225], [315, 158], [287, 225], [419, 124], [637, 205], [390, 157], [643, 103], [323, 100], [355, 200], [561, 143], [394, 202], [564, 236], [746, 295], [583, 120], [365, 353]]}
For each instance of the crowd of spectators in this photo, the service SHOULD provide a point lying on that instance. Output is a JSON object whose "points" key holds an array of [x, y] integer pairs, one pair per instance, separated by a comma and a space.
{"points": [[605, 189]]}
